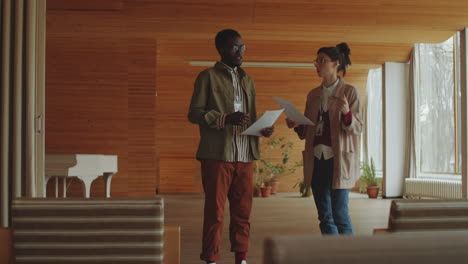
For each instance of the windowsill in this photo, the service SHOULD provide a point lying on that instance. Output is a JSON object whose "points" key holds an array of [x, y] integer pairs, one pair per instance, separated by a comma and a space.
{"points": [[452, 177]]}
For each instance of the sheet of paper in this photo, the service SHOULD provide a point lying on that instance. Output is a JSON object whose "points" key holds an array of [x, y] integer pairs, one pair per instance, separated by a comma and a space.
{"points": [[292, 113], [267, 120]]}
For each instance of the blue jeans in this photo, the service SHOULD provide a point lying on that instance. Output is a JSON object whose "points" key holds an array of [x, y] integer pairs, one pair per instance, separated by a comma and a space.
{"points": [[332, 204]]}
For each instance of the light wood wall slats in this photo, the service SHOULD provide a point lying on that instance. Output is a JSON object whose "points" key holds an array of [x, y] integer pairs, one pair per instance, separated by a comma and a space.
{"points": [[364, 12], [292, 51], [98, 23], [85, 5], [86, 100], [214, 12], [143, 21], [141, 103]]}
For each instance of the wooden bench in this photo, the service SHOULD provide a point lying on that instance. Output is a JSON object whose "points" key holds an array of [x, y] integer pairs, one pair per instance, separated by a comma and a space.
{"points": [[401, 248], [426, 215], [88, 231]]}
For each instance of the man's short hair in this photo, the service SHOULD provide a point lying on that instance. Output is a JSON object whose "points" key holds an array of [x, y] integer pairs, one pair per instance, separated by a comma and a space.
{"points": [[224, 36]]}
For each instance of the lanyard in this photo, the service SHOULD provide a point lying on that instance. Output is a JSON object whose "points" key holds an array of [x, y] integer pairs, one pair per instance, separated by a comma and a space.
{"points": [[321, 112]]}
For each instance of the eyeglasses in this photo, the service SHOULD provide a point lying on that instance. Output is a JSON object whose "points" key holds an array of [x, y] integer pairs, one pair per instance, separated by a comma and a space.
{"points": [[236, 48], [321, 60]]}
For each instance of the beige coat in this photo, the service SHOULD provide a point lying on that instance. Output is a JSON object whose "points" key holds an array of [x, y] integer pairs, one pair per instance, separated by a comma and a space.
{"points": [[345, 139]]}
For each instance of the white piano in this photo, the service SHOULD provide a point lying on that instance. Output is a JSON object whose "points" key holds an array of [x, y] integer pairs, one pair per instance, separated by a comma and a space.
{"points": [[87, 167]]}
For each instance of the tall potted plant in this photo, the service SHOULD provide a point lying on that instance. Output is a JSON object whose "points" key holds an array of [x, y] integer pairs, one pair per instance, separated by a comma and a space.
{"points": [[269, 170], [368, 179]]}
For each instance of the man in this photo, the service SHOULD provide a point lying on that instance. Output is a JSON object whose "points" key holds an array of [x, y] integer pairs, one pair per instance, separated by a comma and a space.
{"points": [[223, 105]]}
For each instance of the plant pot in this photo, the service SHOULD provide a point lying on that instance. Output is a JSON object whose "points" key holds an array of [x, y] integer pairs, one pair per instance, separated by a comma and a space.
{"points": [[257, 192], [274, 187], [266, 191], [373, 191], [306, 193]]}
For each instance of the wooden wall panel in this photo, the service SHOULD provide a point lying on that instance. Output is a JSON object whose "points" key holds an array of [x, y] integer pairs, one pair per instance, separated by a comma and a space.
{"points": [[410, 14], [392, 22], [299, 51], [86, 24], [214, 12], [100, 100], [353, 13], [86, 99], [85, 5], [176, 137], [416, 14], [86, 94], [180, 174], [141, 124]]}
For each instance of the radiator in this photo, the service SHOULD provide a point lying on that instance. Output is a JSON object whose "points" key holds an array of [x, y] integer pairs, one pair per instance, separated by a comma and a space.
{"points": [[446, 189]]}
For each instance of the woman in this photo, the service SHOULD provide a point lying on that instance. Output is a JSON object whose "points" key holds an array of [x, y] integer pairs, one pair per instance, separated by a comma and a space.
{"points": [[331, 160]]}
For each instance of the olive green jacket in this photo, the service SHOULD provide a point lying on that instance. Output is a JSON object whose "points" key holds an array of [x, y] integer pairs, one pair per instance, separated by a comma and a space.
{"points": [[213, 95]]}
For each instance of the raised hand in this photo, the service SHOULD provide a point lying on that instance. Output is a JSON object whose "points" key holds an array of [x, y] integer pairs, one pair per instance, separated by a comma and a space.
{"points": [[344, 108]]}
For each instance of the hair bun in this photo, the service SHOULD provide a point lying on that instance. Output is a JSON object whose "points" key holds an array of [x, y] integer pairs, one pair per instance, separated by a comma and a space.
{"points": [[344, 48]]}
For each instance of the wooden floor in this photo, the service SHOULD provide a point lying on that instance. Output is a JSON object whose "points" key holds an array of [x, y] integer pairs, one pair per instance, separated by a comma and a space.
{"points": [[285, 213]]}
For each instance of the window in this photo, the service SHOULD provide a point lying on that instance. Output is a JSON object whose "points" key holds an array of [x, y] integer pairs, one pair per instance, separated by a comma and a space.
{"points": [[374, 118], [437, 109]]}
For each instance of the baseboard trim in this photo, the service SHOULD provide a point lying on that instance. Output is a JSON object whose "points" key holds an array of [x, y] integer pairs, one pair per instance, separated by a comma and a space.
{"points": [[392, 197]]}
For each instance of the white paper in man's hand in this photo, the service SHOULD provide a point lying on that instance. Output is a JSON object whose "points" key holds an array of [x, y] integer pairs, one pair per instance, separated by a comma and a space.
{"points": [[292, 113], [267, 120]]}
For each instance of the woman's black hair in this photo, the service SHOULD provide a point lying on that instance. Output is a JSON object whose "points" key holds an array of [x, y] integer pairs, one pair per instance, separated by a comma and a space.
{"points": [[340, 53]]}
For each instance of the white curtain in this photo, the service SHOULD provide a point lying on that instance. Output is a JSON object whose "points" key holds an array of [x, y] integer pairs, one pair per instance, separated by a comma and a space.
{"points": [[462, 48], [374, 123], [22, 82], [435, 142], [413, 125]]}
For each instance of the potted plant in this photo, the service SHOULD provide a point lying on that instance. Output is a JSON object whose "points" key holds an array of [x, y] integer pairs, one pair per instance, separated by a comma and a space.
{"points": [[368, 180], [265, 191], [257, 192], [269, 171], [302, 190]]}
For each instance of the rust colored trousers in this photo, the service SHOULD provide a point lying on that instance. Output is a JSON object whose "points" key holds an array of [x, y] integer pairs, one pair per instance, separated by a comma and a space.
{"points": [[221, 180]]}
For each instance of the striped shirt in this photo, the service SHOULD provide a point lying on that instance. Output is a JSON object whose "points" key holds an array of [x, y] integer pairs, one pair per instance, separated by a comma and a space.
{"points": [[240, 143]]}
